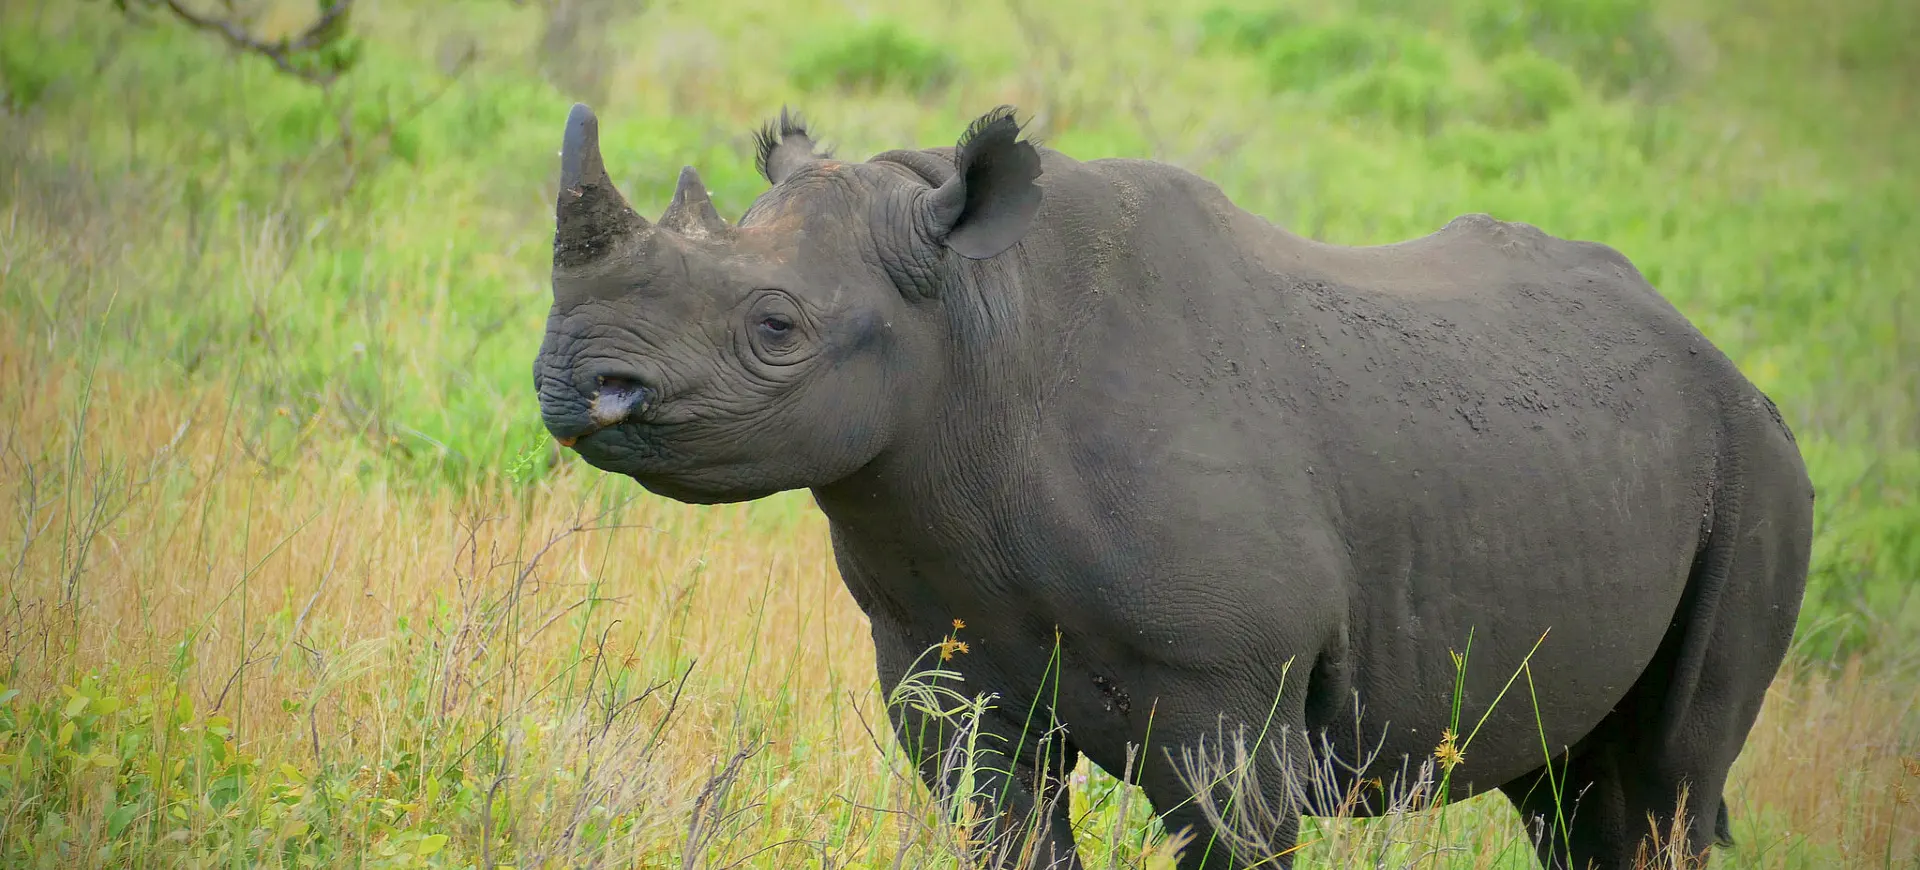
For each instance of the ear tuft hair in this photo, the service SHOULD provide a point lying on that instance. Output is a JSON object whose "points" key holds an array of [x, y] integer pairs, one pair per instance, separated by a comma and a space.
{"points": [[998, 126], [769, 135], [776, 133], [992, 199]]}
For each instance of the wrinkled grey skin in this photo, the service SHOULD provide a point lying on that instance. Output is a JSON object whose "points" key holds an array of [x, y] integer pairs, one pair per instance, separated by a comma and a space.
{"points": [[1095, 401]]}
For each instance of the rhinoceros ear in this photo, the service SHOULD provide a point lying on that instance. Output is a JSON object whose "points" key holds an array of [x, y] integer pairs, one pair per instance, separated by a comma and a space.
{"points": [[590, 213], [785, 146], [986, 207]]}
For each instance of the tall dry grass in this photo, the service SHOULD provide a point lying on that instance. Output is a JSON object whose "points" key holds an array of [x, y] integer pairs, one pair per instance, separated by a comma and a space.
{"points": [[283, 662]]}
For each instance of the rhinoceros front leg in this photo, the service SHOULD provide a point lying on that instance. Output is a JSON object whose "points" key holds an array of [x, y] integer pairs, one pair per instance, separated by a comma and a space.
{"points": [[1016, 781], [1233, 786]]}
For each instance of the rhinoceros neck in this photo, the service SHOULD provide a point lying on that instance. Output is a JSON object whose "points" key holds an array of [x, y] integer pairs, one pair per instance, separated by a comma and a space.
{"points": [[961, 445], [919, 518], [981, 472], [918, 531]]}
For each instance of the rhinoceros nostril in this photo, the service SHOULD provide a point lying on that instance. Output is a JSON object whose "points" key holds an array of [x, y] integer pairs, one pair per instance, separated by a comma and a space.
{"points": [[615, 399]]}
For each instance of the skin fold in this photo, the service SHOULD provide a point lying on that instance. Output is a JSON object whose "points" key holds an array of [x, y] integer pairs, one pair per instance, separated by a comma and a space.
{"points": [[1185, 475]]}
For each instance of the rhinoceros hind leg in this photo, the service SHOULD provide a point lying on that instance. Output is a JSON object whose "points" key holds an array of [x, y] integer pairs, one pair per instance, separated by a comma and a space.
{"points": [[1686, 719]]}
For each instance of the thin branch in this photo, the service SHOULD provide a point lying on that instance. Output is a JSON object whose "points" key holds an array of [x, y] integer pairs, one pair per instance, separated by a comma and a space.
{"points": [[281, 51]]}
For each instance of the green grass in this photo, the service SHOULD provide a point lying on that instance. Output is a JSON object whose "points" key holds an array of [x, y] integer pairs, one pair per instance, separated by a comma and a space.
{"points": [[358, 276]]}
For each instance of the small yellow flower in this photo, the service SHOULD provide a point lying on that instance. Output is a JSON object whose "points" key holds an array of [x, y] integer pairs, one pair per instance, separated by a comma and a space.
{"points": [[950, 646], [1912, 764], [1901, 796], [1448, 754], [959, 624]]}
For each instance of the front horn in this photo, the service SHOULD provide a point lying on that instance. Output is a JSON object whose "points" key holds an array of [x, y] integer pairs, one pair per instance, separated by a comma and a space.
{"points": [[590, 213]]}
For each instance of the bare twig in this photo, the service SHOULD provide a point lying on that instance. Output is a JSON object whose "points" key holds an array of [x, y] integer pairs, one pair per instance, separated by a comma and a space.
{"points": [[333, 561], [284, 52], [707, 807], [246, 661]]}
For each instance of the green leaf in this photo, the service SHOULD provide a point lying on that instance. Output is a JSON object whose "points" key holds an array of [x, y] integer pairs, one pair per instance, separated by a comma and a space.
{"points": [[119, 819], [431, 844], [76, 706]]}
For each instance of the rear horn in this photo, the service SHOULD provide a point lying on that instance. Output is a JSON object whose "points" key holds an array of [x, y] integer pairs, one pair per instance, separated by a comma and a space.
{"points": [[692, 213]]}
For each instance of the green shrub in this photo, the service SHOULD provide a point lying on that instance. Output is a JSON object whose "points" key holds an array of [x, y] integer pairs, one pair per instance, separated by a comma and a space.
{"points": [[1381, 71], [1485, 152], [1613, 43], [1306, 58], [30, 67], [21, 83], [1408, 97], [1529, 88], [1245, 30], [1881, 42], [874, 57]]}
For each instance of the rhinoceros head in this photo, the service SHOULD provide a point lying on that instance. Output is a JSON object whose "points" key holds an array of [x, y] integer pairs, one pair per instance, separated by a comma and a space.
{"points": [[717, 363]]}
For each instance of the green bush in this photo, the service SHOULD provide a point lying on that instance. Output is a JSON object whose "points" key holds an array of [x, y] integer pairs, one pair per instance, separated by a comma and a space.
{"points": [[1881, 42], [874, 57], [1382, 70], [1613, 43], [1244, 30], [32, 70], [1485, 152], [21, 81], [1408, 97], [1306, 58], [1529, 88]]}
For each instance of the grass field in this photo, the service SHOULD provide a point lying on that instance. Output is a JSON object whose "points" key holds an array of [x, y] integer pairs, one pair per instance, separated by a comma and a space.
{"points": [[293, 577]]}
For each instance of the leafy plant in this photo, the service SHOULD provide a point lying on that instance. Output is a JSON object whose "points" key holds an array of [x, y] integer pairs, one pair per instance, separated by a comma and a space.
{"points": [[874, 56], [1614, 43], [1530, 88], [1244, 30], [1308, 57]]}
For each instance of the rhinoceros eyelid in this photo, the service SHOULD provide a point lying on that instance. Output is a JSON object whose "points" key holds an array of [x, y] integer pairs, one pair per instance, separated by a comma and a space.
{"points": [[770, 302]]}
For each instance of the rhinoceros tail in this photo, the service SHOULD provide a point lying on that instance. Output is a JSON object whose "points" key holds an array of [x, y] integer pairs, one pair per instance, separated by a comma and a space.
{"points": [[1723, 825]]}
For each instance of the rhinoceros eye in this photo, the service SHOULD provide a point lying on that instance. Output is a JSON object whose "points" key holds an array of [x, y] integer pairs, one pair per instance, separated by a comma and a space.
{"points": [[776, 331]]}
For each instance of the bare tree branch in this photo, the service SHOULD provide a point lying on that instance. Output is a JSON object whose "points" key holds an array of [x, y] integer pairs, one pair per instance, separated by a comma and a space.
{"points": [[308, 55]]}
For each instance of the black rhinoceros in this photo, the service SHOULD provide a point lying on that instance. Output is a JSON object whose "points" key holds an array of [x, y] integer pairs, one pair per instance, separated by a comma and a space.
{"points": [[1186, 475]]}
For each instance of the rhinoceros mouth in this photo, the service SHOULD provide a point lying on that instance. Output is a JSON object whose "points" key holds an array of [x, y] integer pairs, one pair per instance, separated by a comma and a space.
{"points": [[623, 443], [640, 452]]}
